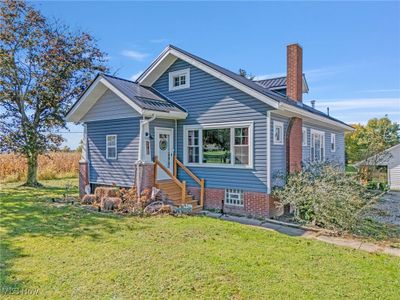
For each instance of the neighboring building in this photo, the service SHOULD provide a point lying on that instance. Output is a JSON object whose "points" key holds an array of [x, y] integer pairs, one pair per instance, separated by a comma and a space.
{"points": [[233, 136], [389, 158]]}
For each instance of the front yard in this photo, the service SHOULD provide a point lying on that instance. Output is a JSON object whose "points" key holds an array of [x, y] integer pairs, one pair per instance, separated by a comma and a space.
{"points": [[67, 252]]}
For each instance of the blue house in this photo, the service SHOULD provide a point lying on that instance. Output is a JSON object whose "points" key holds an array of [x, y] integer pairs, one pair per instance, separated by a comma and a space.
{"points": [[203, 134]]}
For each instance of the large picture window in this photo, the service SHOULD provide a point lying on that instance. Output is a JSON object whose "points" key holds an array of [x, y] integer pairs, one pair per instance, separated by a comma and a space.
{"points": [[226, 144]]}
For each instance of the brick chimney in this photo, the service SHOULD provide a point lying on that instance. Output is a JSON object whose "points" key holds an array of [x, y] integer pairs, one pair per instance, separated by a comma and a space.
{"points": [[294, 80], [294, 90]]}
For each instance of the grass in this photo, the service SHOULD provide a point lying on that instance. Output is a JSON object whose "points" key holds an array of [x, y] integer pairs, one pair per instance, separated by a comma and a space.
{"points": [[67, 252]]}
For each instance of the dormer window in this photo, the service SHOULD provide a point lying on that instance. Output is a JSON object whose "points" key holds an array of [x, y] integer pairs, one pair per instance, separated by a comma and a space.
{"points": [[179, 80]]}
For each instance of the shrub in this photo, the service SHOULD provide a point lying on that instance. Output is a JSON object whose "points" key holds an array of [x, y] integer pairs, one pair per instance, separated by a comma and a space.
{"points": [[323, 195]]}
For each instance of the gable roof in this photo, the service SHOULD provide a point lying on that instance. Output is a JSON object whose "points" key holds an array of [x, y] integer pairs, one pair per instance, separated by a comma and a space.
{"points": [[382, 158], [144, 100], [144, 97], [276, 100], [278, 83]]}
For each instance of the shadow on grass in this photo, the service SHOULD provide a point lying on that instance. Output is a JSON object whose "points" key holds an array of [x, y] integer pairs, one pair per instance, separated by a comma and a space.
{"points": [[27, 212]]}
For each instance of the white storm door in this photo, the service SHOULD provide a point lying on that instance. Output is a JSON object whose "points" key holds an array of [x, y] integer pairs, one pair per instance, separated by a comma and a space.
{"points": [[164, 145]]}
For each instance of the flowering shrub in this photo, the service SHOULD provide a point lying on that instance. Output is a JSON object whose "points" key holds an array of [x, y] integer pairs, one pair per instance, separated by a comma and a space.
{"points": [[323, 195]]}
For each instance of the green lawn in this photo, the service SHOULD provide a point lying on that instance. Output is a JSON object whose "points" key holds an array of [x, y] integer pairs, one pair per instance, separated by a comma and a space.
{"points": [[66, 252]]}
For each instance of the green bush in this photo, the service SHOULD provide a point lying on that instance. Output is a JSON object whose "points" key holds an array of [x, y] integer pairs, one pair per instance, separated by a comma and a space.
{"points": [[322, 195]]}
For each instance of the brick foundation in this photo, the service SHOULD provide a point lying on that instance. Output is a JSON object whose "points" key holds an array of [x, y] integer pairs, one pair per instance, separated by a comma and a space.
{"points": [[255, 204], [83, 177]]}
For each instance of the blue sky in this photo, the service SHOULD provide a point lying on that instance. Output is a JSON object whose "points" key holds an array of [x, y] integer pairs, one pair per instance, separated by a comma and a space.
{"points": [[351, 50]]}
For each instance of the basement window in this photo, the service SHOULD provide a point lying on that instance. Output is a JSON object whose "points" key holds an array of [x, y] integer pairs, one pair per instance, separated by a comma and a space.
{"points": [[234, 197], [179, 79]]}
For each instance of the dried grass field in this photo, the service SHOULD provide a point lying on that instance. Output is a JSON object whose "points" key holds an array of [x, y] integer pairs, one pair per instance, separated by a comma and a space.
{"points": [[52, 165]]}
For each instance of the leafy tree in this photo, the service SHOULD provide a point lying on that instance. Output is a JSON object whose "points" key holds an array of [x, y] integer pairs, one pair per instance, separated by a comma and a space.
{"points": [[371, 139], [243, 73], [43, 67]]}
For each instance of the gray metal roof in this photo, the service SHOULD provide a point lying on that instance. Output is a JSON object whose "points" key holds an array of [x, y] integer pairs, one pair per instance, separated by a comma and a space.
{"points": [[144, 97], [255, 86], [279, 82]]}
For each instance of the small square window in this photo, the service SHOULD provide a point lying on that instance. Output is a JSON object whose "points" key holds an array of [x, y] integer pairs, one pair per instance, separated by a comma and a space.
{"points": [[179, 79], [234, 197], [278, 133]]}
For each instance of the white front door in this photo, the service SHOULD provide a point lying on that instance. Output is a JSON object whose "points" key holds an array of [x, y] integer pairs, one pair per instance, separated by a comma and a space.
{"points": [[164, 148]]}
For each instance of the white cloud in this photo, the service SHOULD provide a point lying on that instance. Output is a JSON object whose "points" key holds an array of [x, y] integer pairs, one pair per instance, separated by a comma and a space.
{"points": [[135, 55], [312, 74], [361, 103], [268, 76], [135, 76], [379, 91]]}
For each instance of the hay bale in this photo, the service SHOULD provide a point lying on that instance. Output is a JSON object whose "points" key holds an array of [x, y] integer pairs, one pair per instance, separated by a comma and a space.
{"points": [[102, 192], [88, 199], [110, 203]]}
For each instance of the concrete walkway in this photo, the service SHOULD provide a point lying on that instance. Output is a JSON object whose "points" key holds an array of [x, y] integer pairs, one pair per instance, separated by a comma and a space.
{"points": [[294, 230]]}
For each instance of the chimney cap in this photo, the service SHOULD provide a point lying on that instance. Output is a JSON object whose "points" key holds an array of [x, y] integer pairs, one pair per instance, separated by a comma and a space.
{"points": [[294, 44]]}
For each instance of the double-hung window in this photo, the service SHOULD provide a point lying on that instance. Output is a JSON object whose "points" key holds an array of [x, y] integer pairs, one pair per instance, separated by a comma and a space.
{"points": [[278, 133], [333, 142], [193, 146], [111, 146], [224, 144], [317, 145], [304, 136], [179, 79]]}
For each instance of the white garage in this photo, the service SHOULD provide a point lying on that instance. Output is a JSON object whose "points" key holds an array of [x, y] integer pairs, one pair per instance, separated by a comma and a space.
{"points": [[391, 159]]}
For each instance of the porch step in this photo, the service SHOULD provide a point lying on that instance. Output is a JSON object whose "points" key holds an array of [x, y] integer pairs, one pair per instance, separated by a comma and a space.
{"points": [[174, 193]]}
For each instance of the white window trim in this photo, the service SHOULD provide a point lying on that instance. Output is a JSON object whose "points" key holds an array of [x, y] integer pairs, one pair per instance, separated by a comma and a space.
{"points": [[232, 125], [171, 76], [323, 142], [333, 141], [279, 124], [116, 146], [304, 143], [230, 191]]}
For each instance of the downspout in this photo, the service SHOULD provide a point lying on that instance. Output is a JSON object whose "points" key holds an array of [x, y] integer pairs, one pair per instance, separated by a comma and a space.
{"points": [[142, 124], [268, 152]]}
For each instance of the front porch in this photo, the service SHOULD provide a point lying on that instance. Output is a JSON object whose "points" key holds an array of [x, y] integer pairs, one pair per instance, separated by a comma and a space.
{"points": [[176, 189]]}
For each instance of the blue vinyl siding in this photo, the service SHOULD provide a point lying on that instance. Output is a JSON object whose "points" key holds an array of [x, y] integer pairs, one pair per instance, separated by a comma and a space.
{"points": [[109, 107], [336, 157], [210, 100], [121, 170], [278, 153]]}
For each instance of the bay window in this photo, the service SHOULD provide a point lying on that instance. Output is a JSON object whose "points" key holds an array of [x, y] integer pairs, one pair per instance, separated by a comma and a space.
{"points": [[224, 144]]}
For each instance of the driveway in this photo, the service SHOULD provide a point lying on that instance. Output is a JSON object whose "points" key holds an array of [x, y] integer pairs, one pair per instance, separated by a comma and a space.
{"points": [[387, 209]]}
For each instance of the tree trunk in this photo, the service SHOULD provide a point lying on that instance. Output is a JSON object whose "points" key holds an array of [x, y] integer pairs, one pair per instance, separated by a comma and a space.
{"points": [[32, 171]]}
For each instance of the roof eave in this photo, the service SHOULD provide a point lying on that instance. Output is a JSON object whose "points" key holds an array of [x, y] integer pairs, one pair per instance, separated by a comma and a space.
{"points": [[299, 111]]}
